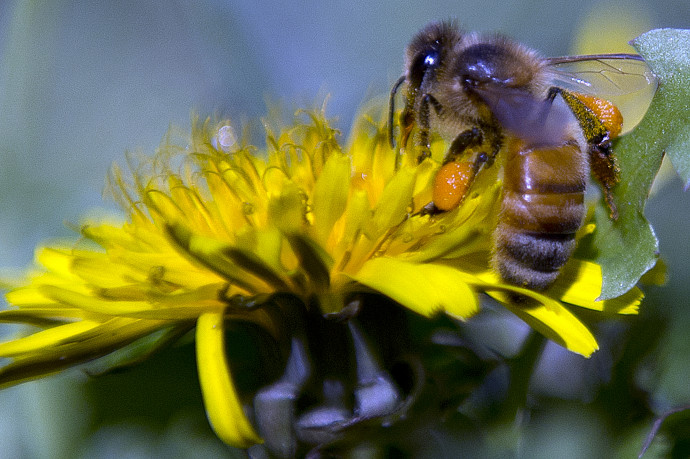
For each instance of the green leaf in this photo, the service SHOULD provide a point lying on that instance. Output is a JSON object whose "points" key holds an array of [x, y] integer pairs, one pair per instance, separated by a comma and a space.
{"points": [[627, 248], [668, 53], [138, 351]]}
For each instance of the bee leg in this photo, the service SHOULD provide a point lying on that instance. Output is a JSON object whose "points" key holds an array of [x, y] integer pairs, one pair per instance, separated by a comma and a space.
{"points": [[606, 171], [452, 183], [424, 125], [602, 161], [430, 209], [391, 110], [406, 125], [464, 140], [552, 93], [493, 136], [407, 121]]}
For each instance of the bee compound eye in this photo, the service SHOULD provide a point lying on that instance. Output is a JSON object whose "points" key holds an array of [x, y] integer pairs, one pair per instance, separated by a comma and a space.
{"points": [[431, 59], [424, 62]]}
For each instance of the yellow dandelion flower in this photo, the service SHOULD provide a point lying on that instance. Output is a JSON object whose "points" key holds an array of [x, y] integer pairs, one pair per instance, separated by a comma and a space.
{"points": [[218, 232]]}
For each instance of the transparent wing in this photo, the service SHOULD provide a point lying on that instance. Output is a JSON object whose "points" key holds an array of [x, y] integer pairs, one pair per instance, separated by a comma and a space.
{"points": [[603, 75], [539, 122], [623, 79]]}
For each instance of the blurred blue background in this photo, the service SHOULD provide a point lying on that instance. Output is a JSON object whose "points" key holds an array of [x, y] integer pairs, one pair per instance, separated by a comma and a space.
{"points": [[82, 82]]}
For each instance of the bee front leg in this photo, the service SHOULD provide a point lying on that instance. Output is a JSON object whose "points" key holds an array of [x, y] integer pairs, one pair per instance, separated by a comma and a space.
{"points": [[406, 125], [407, 122], [424, 121], [391, 111]]}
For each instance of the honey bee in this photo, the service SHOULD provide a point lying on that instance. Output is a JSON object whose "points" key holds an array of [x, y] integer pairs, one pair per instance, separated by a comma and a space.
{"points": [[551, 120]]}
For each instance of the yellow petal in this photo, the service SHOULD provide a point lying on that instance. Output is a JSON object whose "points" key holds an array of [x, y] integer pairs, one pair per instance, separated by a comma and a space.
{"points": [[47, 338], [285, 206], [580, 284], [195, 209], [330, 195], [27, 297], [579, 281], [223, 406], [210, 253], [265, 243], [559, 325], [162, 204], [658, 275], [394, 202], [628, 303], [41, 316], [427, 289], [68, 345], [56, 260], [548, 317], [357, 214]]}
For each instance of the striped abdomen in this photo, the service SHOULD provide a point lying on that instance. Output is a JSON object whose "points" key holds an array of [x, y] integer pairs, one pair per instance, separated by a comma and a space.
{"points": [[542, 209]]}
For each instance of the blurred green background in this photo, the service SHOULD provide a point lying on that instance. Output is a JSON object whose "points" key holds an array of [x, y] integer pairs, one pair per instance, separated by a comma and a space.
{"points": [[82, 82]]}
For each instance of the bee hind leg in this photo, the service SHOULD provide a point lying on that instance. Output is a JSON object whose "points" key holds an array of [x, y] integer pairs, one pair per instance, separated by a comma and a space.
{"points": [[606, 171]]}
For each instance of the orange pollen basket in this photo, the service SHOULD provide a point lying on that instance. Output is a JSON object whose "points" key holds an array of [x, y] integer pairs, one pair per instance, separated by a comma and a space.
{"points": [[451, 183], [606, 112]]}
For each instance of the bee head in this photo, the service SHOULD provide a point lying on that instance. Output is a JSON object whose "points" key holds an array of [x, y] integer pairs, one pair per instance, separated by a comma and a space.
{"points": [[428, 51]]}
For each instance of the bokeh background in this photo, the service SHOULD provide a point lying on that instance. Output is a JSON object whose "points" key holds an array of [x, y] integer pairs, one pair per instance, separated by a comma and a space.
{"points": [[82, 82]]}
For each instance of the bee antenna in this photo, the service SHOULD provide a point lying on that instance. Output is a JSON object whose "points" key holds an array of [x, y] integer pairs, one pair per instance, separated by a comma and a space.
{"points": [[391, 110]]}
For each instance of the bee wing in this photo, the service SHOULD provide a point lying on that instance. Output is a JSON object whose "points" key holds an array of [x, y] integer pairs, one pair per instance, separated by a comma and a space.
{"points": [[602, 75], [539, 122], [623, 79]]}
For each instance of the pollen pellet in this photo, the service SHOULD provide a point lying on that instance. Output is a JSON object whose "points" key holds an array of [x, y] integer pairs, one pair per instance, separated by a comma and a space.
{"points": [[450, 184], [606, 112]]}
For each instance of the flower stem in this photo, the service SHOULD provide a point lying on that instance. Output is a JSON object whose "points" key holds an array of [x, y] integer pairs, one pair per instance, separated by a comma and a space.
{"points": [[521, 369]]}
